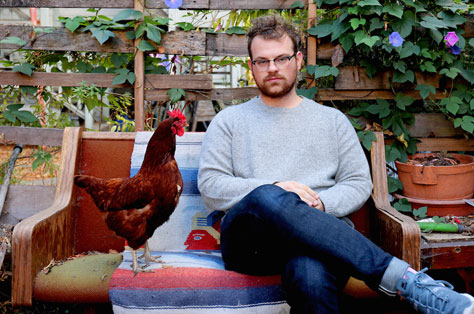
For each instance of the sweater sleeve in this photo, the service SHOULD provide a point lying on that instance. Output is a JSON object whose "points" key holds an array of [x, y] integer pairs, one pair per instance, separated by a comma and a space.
{"points": [[220, 188], [353, 182]]}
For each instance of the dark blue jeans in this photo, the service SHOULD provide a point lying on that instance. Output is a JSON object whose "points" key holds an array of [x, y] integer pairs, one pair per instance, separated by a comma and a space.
{"points": [[272, 231]]}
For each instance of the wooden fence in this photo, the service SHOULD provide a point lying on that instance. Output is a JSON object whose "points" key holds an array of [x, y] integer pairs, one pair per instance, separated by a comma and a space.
{"points": [[351, 83]]}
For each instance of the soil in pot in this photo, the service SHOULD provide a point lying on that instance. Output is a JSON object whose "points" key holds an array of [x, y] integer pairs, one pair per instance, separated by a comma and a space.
{"points": [[437, 177]]}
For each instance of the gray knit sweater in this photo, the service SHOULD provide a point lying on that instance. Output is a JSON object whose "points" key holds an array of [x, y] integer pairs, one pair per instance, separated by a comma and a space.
{"points": [[252, 144]]}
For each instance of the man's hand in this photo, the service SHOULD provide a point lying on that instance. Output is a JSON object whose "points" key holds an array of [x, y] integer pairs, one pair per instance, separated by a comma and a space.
{"points": [[304, 192]]}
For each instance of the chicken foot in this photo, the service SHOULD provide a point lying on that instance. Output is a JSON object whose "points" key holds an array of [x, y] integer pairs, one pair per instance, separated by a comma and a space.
{"points": [[148, 257]]}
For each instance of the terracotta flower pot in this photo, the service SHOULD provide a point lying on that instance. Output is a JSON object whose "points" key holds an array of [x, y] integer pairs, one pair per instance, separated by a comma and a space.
{"points": [[438, 182]]}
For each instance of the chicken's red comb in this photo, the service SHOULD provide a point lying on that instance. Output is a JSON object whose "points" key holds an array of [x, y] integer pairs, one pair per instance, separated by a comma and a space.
{"points": [[176, 113]]}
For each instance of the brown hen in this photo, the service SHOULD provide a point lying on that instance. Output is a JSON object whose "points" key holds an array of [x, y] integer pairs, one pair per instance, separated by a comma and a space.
{"points": [[134, 207]]}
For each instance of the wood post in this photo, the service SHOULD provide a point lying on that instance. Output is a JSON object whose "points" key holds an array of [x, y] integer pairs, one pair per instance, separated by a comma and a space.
{"points": [[139, 79], [311, 42]]}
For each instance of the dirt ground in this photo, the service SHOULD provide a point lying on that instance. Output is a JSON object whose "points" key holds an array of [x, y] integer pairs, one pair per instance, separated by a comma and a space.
{"points": [[23, 173]]}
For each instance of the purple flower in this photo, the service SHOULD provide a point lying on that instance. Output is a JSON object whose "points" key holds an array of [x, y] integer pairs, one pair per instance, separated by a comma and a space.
{"points": [[451, 39], [455, 50], [174, 4], [395, 39]]}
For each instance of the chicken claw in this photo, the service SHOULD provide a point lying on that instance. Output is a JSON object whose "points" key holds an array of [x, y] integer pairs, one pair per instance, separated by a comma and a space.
{"points": [[148, 257]]}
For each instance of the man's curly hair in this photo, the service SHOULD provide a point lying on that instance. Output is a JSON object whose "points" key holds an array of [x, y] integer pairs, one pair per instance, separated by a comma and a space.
{"points": [[273, 27]]}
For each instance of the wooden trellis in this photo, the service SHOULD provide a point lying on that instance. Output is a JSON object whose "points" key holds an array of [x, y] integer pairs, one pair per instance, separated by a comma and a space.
{"points": [[351, 83]]}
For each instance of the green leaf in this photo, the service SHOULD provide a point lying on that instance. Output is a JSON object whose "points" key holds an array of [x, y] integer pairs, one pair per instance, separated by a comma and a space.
{"points": [[338, 29], [347, 42], [153, 33], [471, 42], [418, 5], [382, 108], [452, 104], [370, 41], [367, 137], [409, 49], [376, 23], [359, 36], [140, 30], [73, 24], [472, 104], [102, 35], [24, 68], [131, 77], [10, 116], [309, 93], [321, 71], [400, 66], [403, 206], [176, 94], [394, 185], [394, 9], [236, 30], [323, 29], [119, 59], [25, 116], [121, 76], [399, 77], [428, 67], [36, 163], [356, 22], [144, 45], [297, 5], [392, 153], [186, 26], [403, 101], [420, 212], [364, 3], [405, 25], [13, 40], [451, 72], [467, 124], [125, 15], [425, 90], [436, 35], [432, 22]]}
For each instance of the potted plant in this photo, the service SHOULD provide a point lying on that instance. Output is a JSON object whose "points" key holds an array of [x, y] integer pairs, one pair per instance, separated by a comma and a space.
{"points": [[439, 181]]}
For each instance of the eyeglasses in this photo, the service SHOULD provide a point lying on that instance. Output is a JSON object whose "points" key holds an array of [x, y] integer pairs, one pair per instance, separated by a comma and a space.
{"points": [[280, 62]]}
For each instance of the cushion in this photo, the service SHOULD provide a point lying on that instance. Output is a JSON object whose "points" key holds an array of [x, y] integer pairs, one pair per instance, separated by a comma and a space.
{"points": [[191, 278]]}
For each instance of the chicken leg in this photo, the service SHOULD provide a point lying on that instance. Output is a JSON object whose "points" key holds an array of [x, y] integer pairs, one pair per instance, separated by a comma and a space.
{"points": [[148, 258]]}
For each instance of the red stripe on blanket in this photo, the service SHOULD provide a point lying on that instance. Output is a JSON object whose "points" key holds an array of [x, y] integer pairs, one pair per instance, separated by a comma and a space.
{"points": [[188, 278]]}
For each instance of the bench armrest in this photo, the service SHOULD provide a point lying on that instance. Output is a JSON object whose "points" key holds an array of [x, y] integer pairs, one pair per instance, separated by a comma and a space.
{"points": [[48, 234], [396, 233]]}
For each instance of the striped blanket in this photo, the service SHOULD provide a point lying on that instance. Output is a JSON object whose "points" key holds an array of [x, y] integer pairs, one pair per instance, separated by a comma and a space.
{"points": [[191, 278]]}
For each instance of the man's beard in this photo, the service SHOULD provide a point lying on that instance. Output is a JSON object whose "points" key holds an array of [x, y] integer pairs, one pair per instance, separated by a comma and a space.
{"points": [[285, 87]]}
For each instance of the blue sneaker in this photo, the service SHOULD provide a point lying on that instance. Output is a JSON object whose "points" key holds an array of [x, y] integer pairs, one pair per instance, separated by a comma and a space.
{"points": [[433, 296]]}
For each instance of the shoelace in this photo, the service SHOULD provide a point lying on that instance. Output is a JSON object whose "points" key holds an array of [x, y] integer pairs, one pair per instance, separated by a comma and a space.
{"points": [[438, 303]]}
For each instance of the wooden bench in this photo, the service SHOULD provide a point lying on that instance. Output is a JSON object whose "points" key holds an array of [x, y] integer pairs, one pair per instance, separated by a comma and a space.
{"points": [[73, 225]]}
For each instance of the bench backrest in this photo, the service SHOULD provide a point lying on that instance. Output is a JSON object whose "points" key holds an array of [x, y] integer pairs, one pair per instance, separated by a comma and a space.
{"points": [[191, 227]]}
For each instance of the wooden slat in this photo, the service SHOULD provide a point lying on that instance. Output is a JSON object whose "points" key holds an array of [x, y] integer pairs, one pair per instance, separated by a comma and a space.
{"points": [[139, 85], [445, 144], [433, 125], [455, 254], [161, 81], [31, 136], [61, 39], [177, 42], [327, 94], [332, 94], [201, 82], [353, 77], [49, 234]]}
